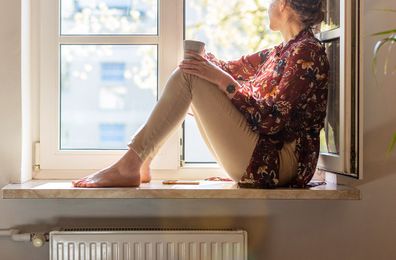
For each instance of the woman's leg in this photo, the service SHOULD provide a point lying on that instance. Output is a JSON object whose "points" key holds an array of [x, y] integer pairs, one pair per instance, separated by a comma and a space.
{"points": [[287, 163], [223, 128], [166, 117], [226, 128]]}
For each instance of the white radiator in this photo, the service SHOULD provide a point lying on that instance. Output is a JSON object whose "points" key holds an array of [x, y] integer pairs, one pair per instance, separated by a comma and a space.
{"points": [[149, 245]]}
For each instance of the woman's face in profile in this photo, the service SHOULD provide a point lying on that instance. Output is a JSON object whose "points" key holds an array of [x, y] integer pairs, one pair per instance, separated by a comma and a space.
{"points": [[274, 14]]}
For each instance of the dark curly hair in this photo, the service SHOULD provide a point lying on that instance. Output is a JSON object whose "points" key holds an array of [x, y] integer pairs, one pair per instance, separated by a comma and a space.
{"points": [[310, 12]]}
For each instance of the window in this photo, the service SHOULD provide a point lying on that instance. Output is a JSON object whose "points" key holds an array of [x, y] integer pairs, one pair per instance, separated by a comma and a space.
{"points": [[97, 85], [104, 64], [113, 71], [108, 17], [340, 151]]}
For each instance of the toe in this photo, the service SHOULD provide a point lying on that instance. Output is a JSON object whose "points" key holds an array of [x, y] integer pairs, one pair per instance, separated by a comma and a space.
{"points": [[91, 185], [83, 183], [77, 183]]}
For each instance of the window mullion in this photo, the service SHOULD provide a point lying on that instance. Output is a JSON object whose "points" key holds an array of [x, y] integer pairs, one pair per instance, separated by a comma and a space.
{"points": [[330, 35], [49, 93], [108, 40], [170, 53], [351, 108]]}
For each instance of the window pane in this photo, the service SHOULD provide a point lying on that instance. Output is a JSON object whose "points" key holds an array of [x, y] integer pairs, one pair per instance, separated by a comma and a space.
{"points": [[330, 135], [230, 29], [108, 17], [332, 17], [198, 150], [107, 93]]}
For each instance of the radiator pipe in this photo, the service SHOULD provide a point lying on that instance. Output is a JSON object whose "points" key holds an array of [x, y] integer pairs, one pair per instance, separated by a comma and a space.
{"points": [[37, 239]]}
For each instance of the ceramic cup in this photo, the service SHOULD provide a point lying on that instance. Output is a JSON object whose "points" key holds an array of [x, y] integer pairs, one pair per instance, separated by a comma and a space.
{"points": [[196, 46]]}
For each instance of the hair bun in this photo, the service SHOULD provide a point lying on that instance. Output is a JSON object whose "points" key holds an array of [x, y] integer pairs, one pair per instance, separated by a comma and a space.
{"points": [[310, 11]]}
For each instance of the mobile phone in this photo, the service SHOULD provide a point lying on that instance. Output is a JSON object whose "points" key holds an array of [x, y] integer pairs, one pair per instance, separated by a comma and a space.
{"points": [[171, 182]]}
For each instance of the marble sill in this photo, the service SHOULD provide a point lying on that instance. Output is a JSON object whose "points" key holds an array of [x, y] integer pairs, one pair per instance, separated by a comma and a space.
{"points": [[56, 189]]}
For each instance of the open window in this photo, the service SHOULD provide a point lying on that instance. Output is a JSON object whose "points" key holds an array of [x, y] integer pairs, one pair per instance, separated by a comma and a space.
{"points": [[341, 138]]}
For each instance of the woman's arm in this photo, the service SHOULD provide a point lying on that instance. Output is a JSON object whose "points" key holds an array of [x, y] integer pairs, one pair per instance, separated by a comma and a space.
{"points": [[305, 69], [205, 69], [242, 69]]}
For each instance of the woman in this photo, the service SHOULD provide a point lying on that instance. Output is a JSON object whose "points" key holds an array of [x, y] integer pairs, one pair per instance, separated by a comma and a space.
{"points": [[260, 115]]}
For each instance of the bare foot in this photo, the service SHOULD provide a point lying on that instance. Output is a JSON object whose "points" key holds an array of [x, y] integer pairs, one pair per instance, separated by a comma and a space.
{"points": [[124, 173], [145, 175]]}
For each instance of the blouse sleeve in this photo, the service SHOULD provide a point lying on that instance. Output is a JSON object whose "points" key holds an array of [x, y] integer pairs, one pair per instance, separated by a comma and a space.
{"points": [[243, 68], [268, 114]]}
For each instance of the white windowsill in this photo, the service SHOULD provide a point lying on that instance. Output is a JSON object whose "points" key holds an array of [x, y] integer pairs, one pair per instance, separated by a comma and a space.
{"points": [[55, 189]]}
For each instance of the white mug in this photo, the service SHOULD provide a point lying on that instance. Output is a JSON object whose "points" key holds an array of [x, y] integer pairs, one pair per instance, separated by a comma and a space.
{"points": [[196, 46]]}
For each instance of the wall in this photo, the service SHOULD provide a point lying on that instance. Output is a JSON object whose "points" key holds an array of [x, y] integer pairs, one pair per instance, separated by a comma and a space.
{"points": [[277, 229], [10, 91]]}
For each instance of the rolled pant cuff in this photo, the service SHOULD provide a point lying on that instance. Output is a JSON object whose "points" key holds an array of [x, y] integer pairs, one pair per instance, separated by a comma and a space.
{"points": [[138, 149]]}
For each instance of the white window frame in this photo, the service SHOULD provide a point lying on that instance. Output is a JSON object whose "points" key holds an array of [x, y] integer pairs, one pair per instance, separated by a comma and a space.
{"points": [[349, 161], [169, 43]]}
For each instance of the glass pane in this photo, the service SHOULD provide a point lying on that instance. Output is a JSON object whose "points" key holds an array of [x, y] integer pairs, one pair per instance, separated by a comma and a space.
{"points": [[330, 135], [332, 17], [107, 93], [198, 150], [230, 29], [101, 17]]}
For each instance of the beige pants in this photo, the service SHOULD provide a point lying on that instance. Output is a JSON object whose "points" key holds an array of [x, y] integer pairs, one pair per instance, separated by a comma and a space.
{"points": [[223, 128]]}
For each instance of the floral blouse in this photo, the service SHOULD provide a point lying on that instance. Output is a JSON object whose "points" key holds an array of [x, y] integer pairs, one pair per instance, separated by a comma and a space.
{"points": [[284, 98]]}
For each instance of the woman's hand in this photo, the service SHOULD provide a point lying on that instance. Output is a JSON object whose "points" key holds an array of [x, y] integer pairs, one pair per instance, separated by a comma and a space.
{"points": [[205, 69]]}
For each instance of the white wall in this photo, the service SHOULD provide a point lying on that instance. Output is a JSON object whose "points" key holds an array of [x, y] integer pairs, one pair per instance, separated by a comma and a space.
{"points": [[10, 89], [277, 229]]}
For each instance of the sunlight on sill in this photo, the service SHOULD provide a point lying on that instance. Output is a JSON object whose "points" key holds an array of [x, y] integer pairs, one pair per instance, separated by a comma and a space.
{"points": [[187, 172]]}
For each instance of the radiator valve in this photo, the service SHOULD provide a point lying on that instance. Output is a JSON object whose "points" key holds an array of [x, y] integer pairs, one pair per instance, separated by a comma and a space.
{"points": [[38, 240]]}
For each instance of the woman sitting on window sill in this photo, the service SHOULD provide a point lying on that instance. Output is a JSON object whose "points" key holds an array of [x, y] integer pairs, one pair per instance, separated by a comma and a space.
{"points": [[260, 115]]}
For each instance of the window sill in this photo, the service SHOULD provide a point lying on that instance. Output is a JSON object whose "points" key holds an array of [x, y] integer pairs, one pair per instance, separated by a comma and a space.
{"points": [[50, 189]]}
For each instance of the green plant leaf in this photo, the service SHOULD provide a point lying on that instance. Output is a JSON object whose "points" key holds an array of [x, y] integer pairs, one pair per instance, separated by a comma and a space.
{"points": [[392, 144], [386, 10], [384, 32], [378, 47], [386, 64]]}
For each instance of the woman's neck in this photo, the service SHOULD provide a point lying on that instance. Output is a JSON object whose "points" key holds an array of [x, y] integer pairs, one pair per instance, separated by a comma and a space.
{"points": [[291, 31]]}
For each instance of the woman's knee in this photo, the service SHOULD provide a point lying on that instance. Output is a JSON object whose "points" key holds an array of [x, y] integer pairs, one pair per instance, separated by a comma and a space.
{"points": [[181, 75], [191, 81], [179, 81]]}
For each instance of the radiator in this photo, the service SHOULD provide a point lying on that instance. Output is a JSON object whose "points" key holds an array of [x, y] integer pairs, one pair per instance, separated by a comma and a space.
{"points": [[148, 245]]}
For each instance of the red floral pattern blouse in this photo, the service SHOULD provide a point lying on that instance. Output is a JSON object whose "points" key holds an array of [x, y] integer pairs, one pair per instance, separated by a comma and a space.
{"points": [[284, 98]]}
